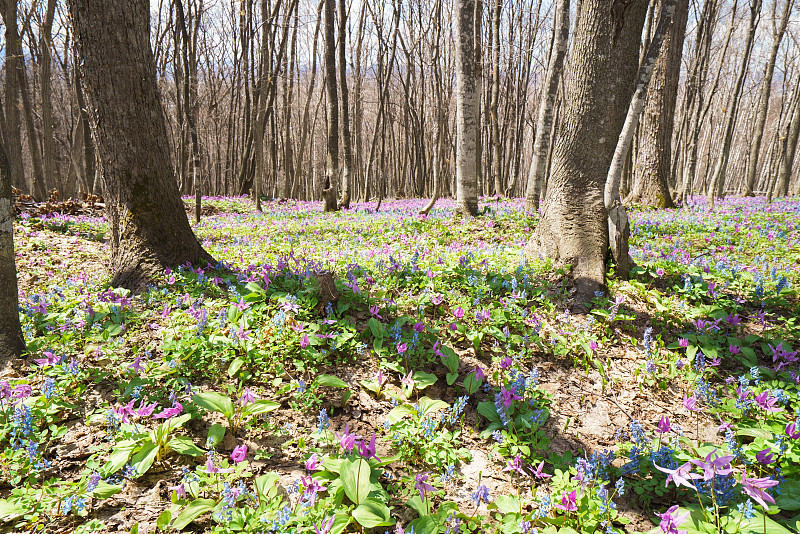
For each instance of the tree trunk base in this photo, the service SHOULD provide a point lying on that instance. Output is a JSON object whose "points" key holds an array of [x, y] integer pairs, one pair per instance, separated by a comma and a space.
{"points": [[619, 231], [329, 196]]}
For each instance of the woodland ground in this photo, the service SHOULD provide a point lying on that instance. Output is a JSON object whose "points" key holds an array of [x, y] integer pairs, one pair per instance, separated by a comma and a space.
{"points": [[251, 352]]}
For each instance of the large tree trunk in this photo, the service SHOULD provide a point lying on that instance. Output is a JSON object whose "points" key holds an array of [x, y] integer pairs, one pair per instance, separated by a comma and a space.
{"points": [[329, 188], [544, 123], [654, 154], [603, 64], [717, 184], [14, 62], [466, 109], [12, 344], [149, 227], [763, 103]]}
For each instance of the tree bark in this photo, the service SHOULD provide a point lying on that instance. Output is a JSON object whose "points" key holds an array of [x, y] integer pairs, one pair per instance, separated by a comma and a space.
{"points": [[654, 154], [544, 123], [12, 135], [50, 166], [329, 188], [347, 148], [603, 65], [466, 109], [720, 169], [12, 344], [149, 227]]}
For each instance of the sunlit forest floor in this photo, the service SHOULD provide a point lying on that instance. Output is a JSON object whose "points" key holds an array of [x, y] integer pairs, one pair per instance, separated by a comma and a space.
{"points": [[372, 372]]}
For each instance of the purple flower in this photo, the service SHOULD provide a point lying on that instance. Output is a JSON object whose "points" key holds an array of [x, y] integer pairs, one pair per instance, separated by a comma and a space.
{"points": [[683, 342], [755, 487], [247, 397], [401, 348], [408, 380], [680, 476], [506, 362], [304, 342], [437, 299], [422, 486], [137, 365], [313, 463], [516, 465], [325, 526], [723, 427], [538, 471], [368, 450], [734, 349], [177, 409], [793, 431], [479, 373], [312, 488], [180, 490], [125, 412], [380, 378], [49, 359], [458, 313], [765, 456], [145, 410], [691, 403], [347, 440], [569, 502], [714, 465], [669, 523], [419, 327], [663, 425], [239, 453], [766, 402], [211, 468], [593, 345], [509, 396]]}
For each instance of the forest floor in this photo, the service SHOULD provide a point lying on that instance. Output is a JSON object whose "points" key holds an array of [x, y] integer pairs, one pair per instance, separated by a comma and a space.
{"points": [[372, 372]]}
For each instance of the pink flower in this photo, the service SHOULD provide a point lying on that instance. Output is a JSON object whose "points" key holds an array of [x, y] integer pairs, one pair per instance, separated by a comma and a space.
{"points": [[144, 410], [683, 342], [680, 476], [313, 463], [569, 502], [506, 362], [538, 472], [211, 468], [793, 431], [663, 425], [593, 344], [180, 490], [479, 375], [325, 526], [367, 450], [669, 523], [755, 487], [347, 440], [177, 409], [516, 465], [49, 359], [458, 313], [239, 453], [304, 342], [437, 299], [419, 327], [401, 348], [247, 397], [423, 487], [691, 403], [509, 396], [380, 378]]}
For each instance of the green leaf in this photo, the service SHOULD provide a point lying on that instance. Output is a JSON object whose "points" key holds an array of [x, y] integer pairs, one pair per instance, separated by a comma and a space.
{"points": [[135, 529], [471, 384], [428, 524], [330, 381], [399, 412], [789, 499], [9, 510], [429, 405], [192, 511], [489, 411], [507, 504], [755, 433], [371, 385], [451, 378], [450, 359], [377, 329], [265, 485], [119, 457], [355, 479], [424, 379], [215, 402], [104, 490], [235, 365], [259, 407], [185, 445], [372, 513], [416, 504], [143, 459], [215, 435], [164, 520]]}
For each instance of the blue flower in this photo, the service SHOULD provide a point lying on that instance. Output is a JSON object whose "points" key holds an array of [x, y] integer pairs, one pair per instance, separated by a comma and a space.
{"points": [[481, 495]]}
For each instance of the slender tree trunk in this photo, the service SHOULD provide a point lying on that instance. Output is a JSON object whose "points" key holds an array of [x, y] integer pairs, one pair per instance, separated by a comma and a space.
{"points": [[497, 159], [149, 228], [603, 64], [544, 123], [14, 62], [12, 344], [718, 177], [766, 90], [329, 188], [49, 163], [654, 156], [347, 149], [467, 109]]}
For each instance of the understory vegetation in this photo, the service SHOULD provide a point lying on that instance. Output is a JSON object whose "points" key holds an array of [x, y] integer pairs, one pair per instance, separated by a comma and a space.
{"points": [[443, 386]]}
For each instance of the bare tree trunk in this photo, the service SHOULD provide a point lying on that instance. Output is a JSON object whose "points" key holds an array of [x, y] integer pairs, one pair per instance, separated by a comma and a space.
{"points": [[347, 156], [544, 123], [720, 170], [149, 228], [602, 71], [654, 154], [467, 111], [49, 164], [14, 62], [329, 188], [766, 89], [12, 344], [497, 157]]}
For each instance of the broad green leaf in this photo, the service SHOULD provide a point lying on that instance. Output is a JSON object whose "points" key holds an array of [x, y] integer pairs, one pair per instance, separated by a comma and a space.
{"points": [[416, 504], [355, 476], [143, 459], [695, 523], [164, 520], [507, 504], [185, 445], [330, 381], [371, 385], [471, 384], [377, 329], [424, 379], [754, 433], [119, 457], [9, 510], [451, 378], [104, 490], [265, 485], [215, 402], [372, 513], [215, 435], [428, 524], [489, 411], [429, 405], [789, 498], [259, 407], [192, 511], [450, 359], [235, 365], [399, 412]]}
